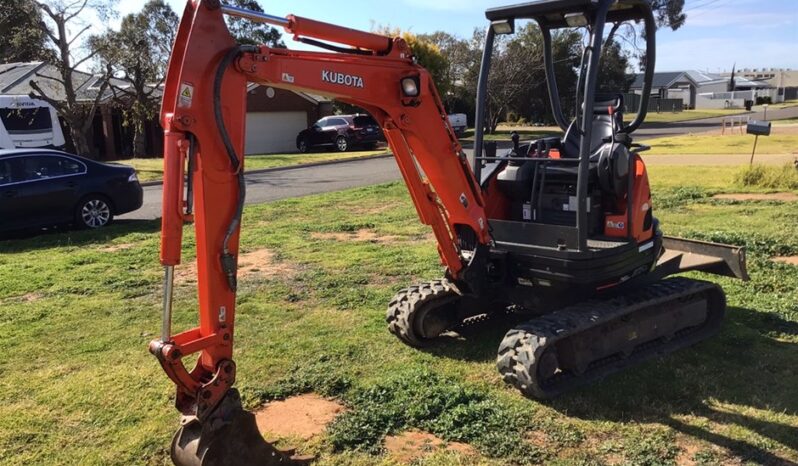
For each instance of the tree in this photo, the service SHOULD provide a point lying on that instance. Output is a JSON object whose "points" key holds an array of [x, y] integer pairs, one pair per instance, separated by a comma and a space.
{"points": [[461, 60], [614, 76], [59, 19], [252, 33], [138, 54], [427, 54], [21, 39]]}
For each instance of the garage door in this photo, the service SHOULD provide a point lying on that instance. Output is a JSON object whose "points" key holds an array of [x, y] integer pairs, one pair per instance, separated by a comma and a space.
{"points": [[272, 132]]}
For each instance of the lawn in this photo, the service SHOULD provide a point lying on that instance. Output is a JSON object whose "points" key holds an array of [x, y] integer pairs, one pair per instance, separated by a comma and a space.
{"points": [[152, 169], [78, 386], [783, 140]]}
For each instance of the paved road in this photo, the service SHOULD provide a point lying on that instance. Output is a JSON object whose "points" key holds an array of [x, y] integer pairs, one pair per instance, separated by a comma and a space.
{"points": [[656, 130], [296, 182]]}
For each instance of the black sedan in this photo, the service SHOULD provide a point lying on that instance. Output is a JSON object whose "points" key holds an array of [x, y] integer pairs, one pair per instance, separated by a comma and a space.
{"points": [[41, 188], [340, 133]]}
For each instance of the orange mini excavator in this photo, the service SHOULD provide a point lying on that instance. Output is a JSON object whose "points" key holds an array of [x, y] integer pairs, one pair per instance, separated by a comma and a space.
{"points": [[559, 229]]}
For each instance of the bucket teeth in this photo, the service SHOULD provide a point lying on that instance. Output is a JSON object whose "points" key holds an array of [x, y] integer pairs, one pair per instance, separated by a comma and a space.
{"points": [[229, 437]]}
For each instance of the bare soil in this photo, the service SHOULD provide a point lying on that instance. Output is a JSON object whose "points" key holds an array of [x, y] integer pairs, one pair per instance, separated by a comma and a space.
{"points": [[784, 197], [303, 416], [792, 260], [362, 235], [260, 263], [414, 444]]}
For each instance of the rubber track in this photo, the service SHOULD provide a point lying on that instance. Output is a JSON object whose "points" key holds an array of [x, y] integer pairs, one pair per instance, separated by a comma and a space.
{"points": [[522, 347], [406, 304]]}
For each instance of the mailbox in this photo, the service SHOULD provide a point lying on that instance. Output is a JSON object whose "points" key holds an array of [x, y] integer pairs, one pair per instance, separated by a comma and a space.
{"points": [[758, 128]]}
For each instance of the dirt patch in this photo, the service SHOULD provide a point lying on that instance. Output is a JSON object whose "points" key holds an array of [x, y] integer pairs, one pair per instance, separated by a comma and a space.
{"points": [[303, 416], [792, 260], [414, 444], [362, 235], [784, 197], [537, 438], [260, 263], [687, 451], [117, 247]]}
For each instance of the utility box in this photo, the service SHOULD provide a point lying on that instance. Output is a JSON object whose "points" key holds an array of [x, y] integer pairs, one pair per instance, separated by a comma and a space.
{"points": [[758, 128]]}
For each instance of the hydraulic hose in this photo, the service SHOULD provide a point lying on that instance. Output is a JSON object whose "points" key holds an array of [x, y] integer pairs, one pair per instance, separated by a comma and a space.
{"points": [[228, 260]]}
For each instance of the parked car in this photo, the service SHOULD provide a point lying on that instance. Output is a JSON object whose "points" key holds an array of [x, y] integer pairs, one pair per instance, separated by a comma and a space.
{"points": [[341, 133], [459, 123], [41, 188]]}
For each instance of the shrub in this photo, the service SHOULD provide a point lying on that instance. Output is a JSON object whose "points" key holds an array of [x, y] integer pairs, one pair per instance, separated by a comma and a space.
{"points": [[768, 177]]}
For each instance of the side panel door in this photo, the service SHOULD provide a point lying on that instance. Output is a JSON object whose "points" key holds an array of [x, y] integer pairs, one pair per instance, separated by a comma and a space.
{"points": [[51, 188], [331, 130], [11, 211], [317, 133]]}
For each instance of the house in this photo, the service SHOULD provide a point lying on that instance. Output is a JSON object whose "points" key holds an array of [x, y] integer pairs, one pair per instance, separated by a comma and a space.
{"points": [[274, 116], [697, 89], [785, 80]]}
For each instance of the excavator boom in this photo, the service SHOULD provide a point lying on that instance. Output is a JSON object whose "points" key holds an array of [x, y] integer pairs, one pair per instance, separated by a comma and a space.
{"points": [[203, 116]]}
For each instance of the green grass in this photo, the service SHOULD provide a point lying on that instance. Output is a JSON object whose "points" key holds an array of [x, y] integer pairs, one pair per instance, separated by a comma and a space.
{"points": [[152, 169], [723, 144], [768, 177], [673, 117], [77, 385]]}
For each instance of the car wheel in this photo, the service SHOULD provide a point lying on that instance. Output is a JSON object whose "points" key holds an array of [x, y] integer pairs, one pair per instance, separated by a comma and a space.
{"points": [[302, 145], [341, 144], [94, 211]]}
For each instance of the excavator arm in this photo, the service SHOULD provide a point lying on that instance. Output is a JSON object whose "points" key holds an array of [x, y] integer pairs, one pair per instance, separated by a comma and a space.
{"points": [[203, 116]]}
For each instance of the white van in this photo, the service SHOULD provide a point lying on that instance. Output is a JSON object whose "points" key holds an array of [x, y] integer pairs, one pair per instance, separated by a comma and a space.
{"points": [[459, 123], [28, 123]]}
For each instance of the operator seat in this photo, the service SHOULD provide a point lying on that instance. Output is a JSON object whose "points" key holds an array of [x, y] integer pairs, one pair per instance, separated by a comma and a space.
{"points": [[602, 127], [609, 160]]}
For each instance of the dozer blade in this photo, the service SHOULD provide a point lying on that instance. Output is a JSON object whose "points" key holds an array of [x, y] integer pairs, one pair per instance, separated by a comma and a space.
{"points": [[228, 437], [682, 255]]}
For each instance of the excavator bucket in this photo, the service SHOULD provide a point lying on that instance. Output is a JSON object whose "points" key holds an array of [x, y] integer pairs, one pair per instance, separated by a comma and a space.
{"points": [[229, 437], [683, 255]]}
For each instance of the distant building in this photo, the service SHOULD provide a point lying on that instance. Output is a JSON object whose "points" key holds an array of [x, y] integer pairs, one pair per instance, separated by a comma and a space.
{"points": [[785, 80], [697, 89], [274, 116]]}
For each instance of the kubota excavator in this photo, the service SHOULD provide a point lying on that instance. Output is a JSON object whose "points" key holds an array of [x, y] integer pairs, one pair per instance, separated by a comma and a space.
{"points": [[560, 229]]}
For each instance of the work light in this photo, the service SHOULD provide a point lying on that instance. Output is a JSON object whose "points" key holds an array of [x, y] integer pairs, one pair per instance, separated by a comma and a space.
{"points": [[410, 86], [503, 26]]}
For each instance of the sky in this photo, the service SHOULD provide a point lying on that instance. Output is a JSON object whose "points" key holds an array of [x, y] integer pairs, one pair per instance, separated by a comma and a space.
{"points": [[718, 33]]}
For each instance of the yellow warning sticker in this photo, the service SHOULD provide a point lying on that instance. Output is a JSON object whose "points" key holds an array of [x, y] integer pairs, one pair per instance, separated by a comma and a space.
{"points": [[186, 95]]}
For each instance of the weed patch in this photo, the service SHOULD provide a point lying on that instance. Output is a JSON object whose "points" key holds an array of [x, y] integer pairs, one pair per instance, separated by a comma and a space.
{"points": [[768, 177], [423, 400]]}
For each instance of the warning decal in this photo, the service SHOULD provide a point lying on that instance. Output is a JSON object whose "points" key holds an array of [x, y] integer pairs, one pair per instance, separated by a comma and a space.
{"points": [[186, 94]]}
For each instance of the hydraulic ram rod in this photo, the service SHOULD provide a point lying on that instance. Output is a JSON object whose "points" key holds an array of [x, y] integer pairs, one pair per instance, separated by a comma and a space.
{"points": [[299, 26]]}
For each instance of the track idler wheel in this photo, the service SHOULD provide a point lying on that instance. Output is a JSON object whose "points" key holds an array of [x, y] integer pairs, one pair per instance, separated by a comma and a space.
{"points": [[420, 313], [228, 437]]}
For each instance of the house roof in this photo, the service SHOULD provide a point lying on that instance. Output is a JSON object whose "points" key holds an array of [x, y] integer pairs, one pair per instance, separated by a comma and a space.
{"points": [[664, 79], [15, 79], [669, 78]]}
